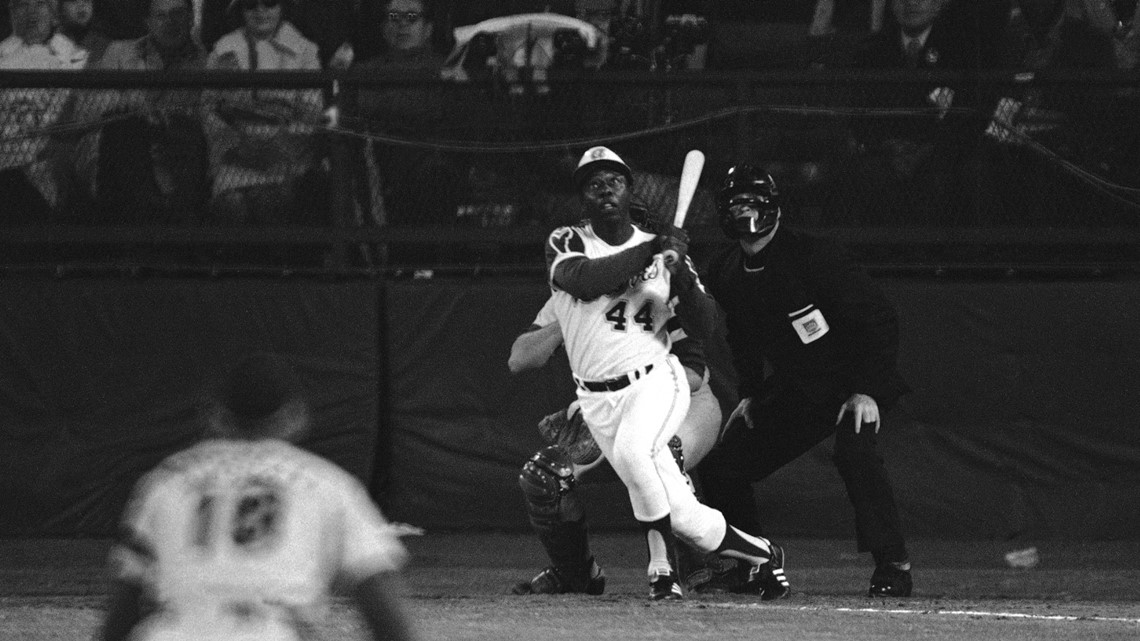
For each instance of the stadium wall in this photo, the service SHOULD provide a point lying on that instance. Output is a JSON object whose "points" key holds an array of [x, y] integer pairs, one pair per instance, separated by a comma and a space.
{"points": [[1022, 424], [100, 379]]}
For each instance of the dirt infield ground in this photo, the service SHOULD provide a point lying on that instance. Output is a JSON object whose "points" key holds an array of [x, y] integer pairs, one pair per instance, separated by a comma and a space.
{"points": [[457, 589]]}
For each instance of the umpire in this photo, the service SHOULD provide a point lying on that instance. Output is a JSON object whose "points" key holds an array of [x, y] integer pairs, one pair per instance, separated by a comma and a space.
{"points": [[814, 342]]}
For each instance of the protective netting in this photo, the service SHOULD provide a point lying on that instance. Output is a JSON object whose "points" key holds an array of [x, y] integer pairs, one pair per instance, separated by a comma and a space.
{"points": [[894, 153]]}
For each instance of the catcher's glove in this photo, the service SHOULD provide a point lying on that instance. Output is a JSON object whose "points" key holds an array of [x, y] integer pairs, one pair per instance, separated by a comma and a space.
{"points": [[567, 430]]}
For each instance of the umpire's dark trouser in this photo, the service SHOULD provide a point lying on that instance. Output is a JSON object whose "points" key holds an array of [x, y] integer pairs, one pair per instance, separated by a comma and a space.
{"points": [[787, 426]]}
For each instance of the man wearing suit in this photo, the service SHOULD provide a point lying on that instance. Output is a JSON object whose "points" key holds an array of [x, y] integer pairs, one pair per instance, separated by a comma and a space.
{"points": [[918, 162], [814, 342]]}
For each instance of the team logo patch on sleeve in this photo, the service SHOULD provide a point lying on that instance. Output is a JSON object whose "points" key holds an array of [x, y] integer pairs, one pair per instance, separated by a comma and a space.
{"points": [[566, 240], [563, 242]]}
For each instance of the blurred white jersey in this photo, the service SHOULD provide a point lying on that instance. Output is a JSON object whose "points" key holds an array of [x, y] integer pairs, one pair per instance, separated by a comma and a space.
{"points": [[618, 332], [244, 539]]}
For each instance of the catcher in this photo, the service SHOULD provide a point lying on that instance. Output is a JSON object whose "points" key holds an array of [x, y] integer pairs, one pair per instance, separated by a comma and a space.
{"points": [[549, 478]]}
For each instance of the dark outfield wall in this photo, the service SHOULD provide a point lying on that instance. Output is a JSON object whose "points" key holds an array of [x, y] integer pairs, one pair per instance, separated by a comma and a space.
{"points": [[1023, 423], [99, 379]]}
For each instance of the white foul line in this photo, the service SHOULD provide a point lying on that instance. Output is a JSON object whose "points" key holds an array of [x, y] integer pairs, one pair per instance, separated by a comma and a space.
{"points": [[1004, 615], [971, 613]]}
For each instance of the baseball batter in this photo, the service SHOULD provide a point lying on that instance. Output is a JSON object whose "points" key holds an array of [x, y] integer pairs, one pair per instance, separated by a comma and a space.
{"points": [[241, 537], [701, 427], [614, 299], [549, 479]]}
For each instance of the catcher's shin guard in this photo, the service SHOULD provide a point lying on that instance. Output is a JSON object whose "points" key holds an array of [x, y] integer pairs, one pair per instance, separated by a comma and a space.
{"points": [[548, 485], [676, 447], [690, 563]]}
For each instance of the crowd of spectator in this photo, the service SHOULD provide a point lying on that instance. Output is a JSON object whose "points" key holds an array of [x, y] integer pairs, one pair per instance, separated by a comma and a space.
{"points": [[256, 156]]}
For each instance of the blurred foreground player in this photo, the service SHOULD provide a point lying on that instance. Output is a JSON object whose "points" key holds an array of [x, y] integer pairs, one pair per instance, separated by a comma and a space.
{"points": [[799, 307], [241, 537]]}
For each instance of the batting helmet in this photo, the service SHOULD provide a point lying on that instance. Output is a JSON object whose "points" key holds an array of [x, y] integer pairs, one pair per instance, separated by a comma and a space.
{"points": [[753, 195], [596, 158]]}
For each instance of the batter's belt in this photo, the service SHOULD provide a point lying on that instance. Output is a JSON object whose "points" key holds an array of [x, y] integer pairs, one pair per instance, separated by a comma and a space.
{"points": [[616, 383]]}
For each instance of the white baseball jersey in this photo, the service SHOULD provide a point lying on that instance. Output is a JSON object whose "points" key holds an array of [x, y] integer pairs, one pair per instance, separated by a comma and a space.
{"points": [[617, 332], [243, 539]]}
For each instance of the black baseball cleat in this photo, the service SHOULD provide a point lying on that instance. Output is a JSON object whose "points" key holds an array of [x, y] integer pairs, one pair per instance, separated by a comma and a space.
{"points": [[664, 587], [773, 582], [890, 581], [767, 579], [554, 580]]}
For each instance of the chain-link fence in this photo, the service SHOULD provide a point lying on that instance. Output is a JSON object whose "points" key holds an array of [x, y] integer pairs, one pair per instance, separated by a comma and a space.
{"points": [[354, 171]]}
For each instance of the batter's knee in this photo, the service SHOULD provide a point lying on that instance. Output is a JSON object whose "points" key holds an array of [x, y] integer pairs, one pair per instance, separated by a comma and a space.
{"points": [[694, 523]]}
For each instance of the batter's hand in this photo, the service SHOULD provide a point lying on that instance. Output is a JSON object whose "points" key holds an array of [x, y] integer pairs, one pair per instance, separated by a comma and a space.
{"points": [[742, 414], [863, 408], [675, 240]]}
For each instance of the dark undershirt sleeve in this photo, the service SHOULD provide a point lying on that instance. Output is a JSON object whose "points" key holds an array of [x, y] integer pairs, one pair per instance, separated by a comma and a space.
{"points": [[588, 278]]}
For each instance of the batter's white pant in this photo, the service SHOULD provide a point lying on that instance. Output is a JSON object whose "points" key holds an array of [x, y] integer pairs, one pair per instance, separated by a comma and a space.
{"points": [[632, 427]]}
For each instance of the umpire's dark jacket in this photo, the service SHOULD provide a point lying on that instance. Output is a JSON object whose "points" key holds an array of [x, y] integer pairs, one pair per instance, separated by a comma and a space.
{"points": [[806, 278]]}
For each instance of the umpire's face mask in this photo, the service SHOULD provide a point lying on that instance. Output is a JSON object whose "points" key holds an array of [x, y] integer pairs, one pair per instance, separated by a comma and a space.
{"points": [[752, 215]]}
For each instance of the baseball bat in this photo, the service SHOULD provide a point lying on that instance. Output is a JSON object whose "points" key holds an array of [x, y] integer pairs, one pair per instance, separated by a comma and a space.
{"points": [[690, 176]]}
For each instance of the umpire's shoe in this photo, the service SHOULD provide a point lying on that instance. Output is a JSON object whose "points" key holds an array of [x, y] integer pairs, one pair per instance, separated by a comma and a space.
{"points": [[891, 581], [554, 580], [663, 586], [768, 579]]}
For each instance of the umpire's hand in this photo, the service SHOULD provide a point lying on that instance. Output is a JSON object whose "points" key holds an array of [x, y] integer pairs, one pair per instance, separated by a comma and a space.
{"points": [[863, 408], [743, 412]]}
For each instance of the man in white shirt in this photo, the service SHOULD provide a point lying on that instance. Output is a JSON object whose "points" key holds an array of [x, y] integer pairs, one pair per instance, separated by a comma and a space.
{"points": [[28, 180]]}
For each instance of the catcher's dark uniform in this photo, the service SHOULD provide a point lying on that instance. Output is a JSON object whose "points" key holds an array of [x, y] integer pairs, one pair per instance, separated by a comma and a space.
{"points": [[807, 328]]}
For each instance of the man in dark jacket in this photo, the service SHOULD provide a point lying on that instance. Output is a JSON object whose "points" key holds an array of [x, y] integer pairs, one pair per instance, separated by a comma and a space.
{"points": [[814, 342], [919, 165]]}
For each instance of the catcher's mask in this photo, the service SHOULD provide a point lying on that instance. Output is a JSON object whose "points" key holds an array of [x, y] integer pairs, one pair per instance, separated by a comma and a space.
{"points": [[748, 203]]}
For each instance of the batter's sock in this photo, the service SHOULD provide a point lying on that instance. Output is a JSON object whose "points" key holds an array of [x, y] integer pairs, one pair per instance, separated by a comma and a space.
{"points": [[662, 545], [744, 546]]}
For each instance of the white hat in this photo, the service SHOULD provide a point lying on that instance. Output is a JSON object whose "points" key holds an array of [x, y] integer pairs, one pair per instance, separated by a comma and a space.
{"points": [[597, 157]]}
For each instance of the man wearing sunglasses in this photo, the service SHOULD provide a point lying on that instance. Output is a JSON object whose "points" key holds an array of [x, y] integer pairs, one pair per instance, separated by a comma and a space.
{"points": [[414, 185], [406, 25]]}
